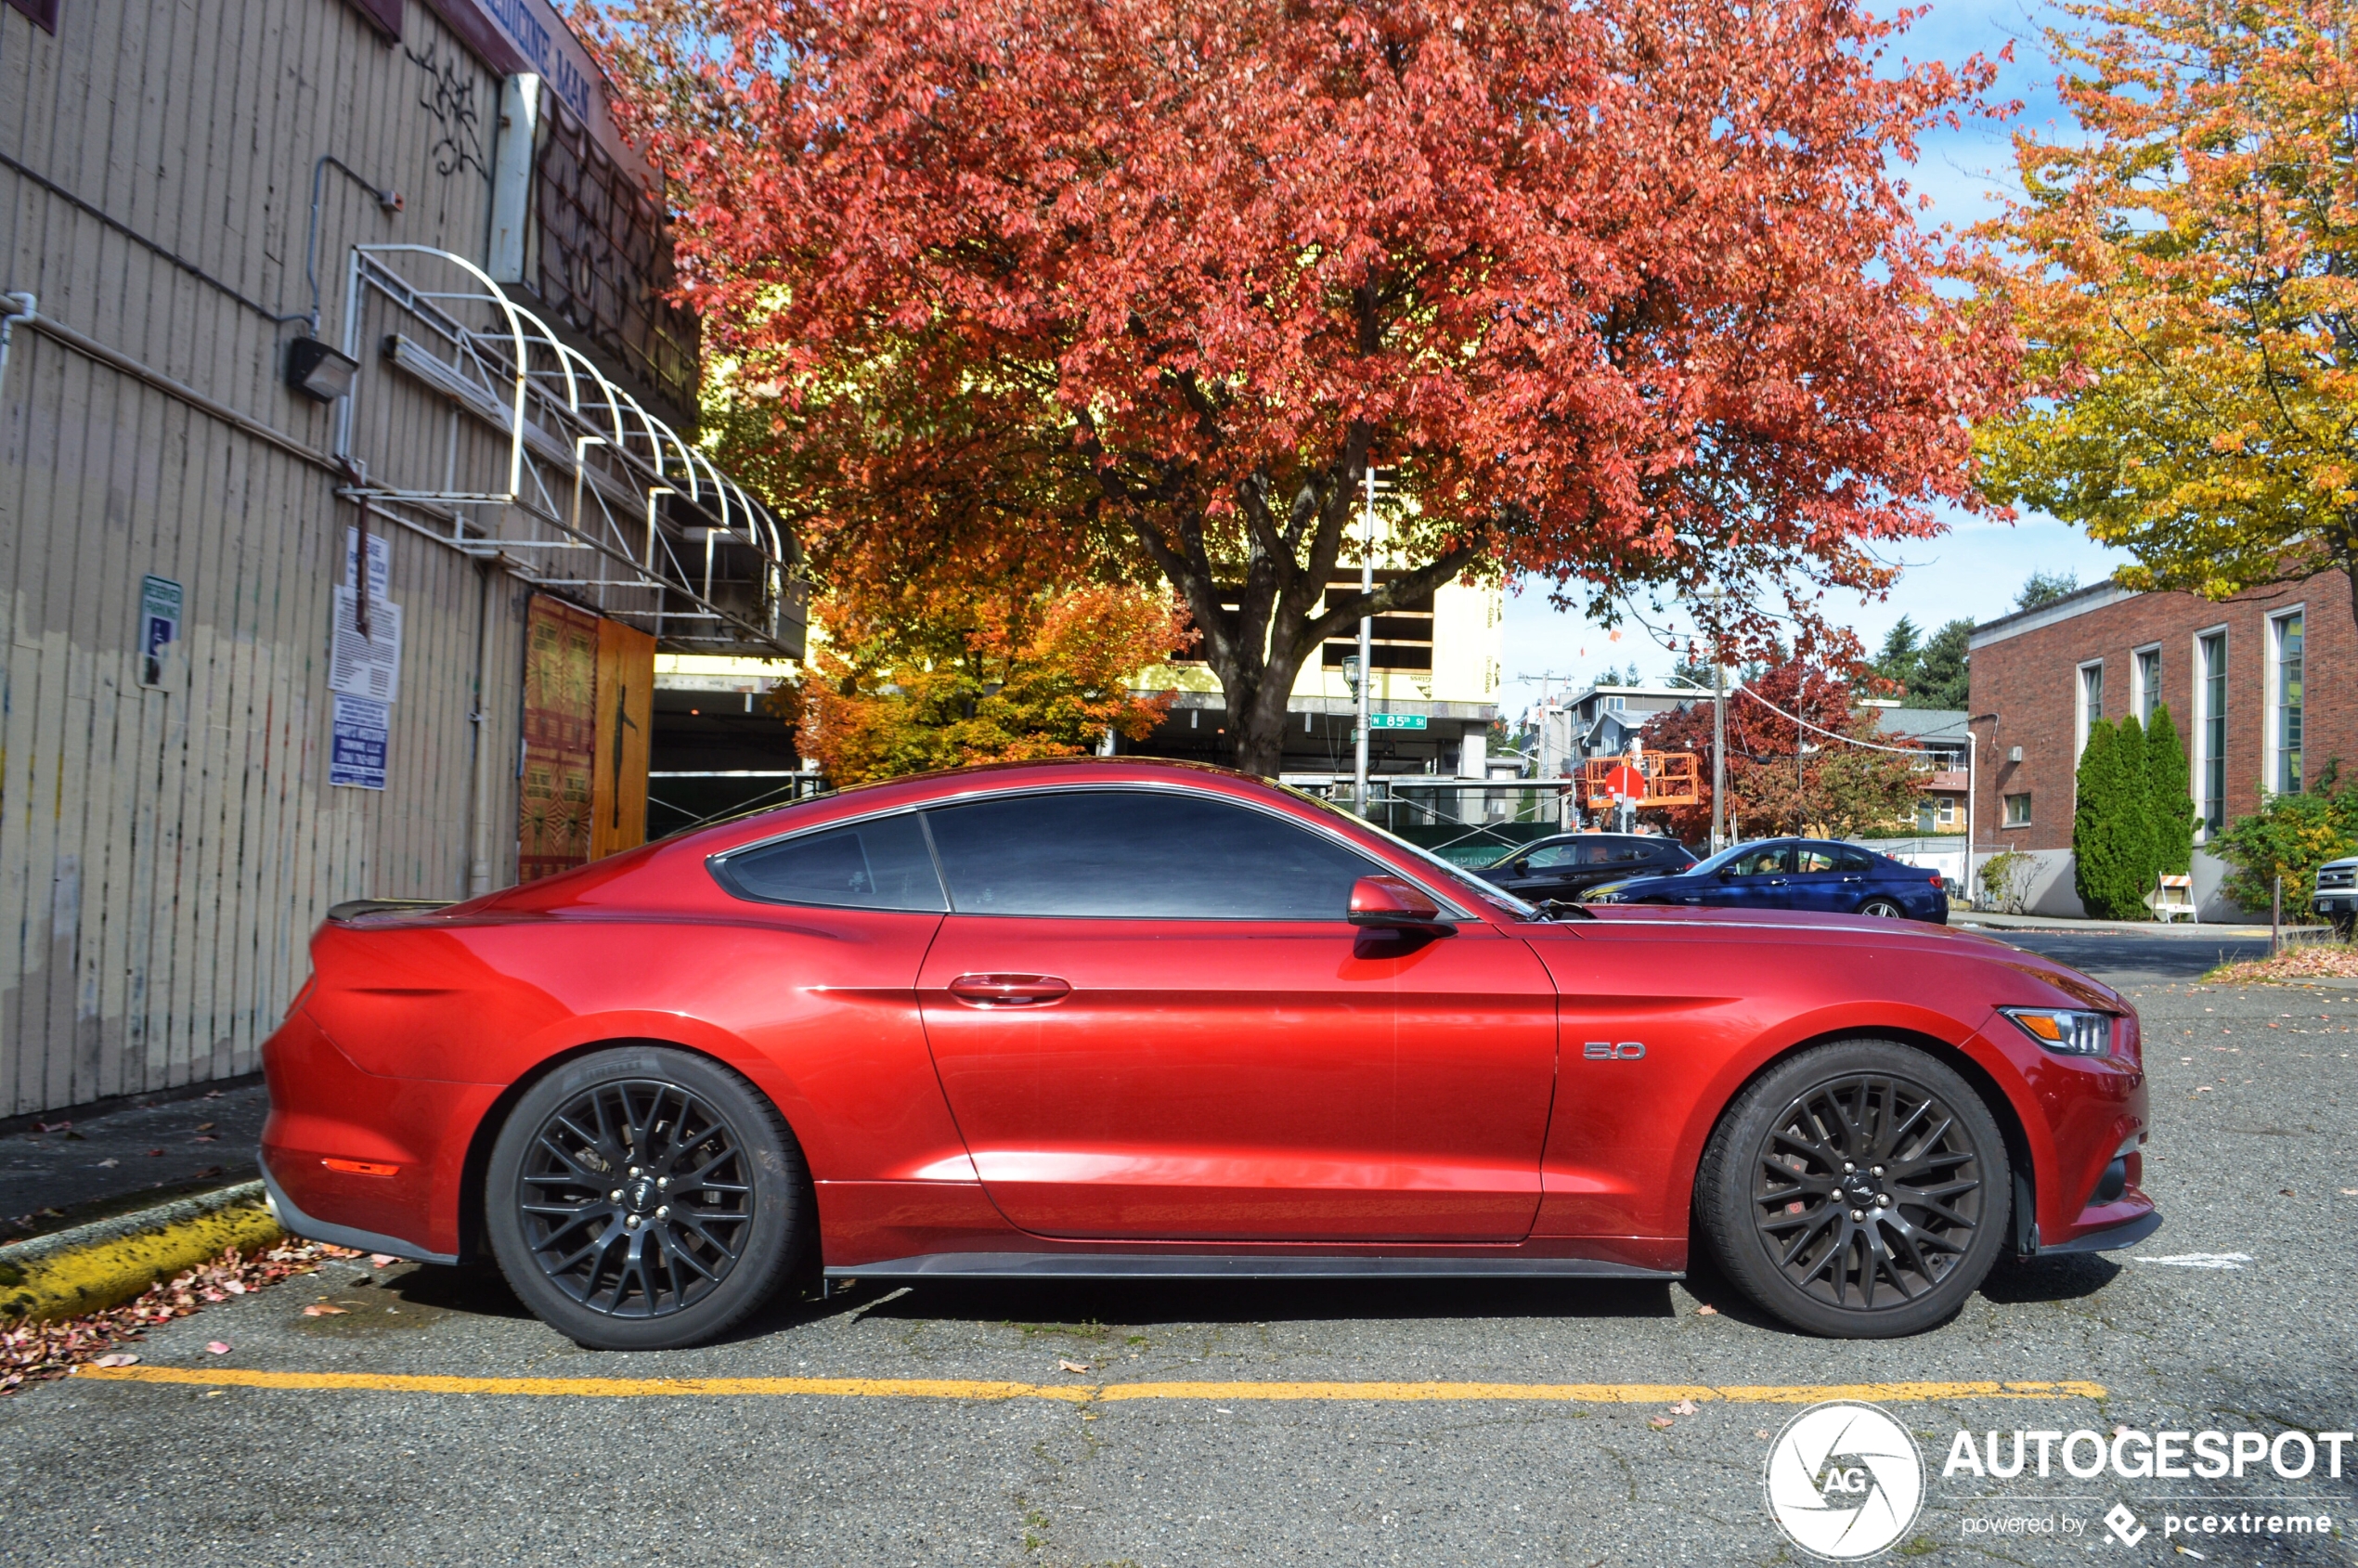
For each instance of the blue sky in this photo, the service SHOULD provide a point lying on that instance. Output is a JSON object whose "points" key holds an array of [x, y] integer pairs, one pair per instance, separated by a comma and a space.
{"points": [[1976, 568]]}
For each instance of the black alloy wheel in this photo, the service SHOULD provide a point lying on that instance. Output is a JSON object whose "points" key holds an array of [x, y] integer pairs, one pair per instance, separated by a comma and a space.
{"points": [[1857, 1190], [1881, 909], [644, 1199]]}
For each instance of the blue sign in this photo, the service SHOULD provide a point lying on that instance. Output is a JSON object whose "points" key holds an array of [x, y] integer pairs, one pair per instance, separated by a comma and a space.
{"points": [[160, 601], [356, 752]]}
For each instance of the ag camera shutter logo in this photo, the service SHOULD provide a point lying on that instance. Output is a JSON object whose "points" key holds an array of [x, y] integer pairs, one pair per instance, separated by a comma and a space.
{"points": [[1844, 1481]]}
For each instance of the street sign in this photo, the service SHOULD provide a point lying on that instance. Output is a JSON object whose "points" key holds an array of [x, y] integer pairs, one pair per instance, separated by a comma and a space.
{"points": [[1625, 783], [1396, 722], [160, 601]]}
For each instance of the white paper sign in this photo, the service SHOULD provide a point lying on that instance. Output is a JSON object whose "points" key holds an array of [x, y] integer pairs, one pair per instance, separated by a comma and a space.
{"points": [[366, 667], [380, 562]]}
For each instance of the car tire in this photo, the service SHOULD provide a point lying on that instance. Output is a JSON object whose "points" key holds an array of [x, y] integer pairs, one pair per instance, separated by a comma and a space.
{"points": [[641, 1264], [1881, 909], [1819, 1139]]}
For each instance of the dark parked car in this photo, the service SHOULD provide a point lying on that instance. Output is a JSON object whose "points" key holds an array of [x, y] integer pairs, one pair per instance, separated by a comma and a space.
{"points": [[1568, 865], [1793, 874]]}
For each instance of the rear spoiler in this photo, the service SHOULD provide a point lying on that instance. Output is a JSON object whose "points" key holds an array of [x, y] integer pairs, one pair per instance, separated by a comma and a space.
{"points": [[353, 909]]}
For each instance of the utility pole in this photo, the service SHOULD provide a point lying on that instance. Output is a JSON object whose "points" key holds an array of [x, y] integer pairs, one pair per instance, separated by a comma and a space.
{"points": [[1366, 649], [1718, 724]]}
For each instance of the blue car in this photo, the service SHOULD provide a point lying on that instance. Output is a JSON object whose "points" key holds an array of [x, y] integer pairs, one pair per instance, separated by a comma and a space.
{"points": [[1793, 874]]}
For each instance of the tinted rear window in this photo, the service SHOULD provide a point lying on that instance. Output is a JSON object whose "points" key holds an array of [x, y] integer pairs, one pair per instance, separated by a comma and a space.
{"points": [[1140, 854], [882, 863]]}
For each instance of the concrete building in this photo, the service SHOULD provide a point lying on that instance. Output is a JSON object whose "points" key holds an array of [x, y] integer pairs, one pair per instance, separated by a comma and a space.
{"points": [[347, 493], [1434, 694], [2260, 689]]}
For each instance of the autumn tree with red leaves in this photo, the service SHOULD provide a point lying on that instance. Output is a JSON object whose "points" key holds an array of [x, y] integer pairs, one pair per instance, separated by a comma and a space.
{"points": [[1624, 293], [1833, 788]]}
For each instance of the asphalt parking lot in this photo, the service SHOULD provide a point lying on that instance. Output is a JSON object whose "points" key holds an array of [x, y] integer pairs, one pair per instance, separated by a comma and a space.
{"points": [[1194, 1425]]}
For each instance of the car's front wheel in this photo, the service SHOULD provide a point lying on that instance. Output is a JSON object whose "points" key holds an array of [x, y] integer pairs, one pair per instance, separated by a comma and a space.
{"points": [[1857, 1190], [644, 1199]]}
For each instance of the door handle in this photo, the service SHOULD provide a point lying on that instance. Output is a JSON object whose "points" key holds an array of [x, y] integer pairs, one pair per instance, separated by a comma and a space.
{"points": [[1009, 991]]}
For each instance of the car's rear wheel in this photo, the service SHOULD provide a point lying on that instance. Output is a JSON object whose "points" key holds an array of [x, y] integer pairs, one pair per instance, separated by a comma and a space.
{"points": [[1857, 1190], [1883, 909], [644, 1199]]}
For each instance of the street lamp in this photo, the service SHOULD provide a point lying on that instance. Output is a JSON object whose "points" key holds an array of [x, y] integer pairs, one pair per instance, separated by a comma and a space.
{"points": [[1351, 667]]}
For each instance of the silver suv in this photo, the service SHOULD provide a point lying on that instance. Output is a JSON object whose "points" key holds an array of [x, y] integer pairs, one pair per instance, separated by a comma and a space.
{"points": [[2337, 894]]}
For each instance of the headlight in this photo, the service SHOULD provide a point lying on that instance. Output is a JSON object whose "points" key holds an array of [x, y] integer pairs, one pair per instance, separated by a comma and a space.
{"points": [[1604, 893], [2062, 1029]]}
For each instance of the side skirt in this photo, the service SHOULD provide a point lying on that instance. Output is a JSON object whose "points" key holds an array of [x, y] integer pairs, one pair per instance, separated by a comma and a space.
{"points": [[1163, 1265]]}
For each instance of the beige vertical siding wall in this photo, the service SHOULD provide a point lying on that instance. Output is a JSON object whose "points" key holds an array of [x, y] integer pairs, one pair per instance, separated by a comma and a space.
{"points": [[164, 855]]}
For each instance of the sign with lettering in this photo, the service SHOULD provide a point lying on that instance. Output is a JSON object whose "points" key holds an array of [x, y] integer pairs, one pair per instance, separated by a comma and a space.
{"points": [[356, 752], [160, 600], [366, 665], [1396, 722]]}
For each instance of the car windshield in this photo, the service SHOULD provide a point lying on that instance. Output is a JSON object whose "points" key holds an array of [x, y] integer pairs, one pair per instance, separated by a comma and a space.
{"points": [[1457, 877]]}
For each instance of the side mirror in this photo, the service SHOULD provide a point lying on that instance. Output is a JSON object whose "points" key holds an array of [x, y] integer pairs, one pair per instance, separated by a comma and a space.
{"points": [[1389, 902], [1521, 867], [1726, 873]]}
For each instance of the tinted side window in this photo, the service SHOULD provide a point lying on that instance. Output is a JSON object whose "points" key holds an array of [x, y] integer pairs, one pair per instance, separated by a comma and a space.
{"points": [[1554, 855], [1854, 860], [877, 864], [1770, 861], [1814, 857], [1144, 854]]}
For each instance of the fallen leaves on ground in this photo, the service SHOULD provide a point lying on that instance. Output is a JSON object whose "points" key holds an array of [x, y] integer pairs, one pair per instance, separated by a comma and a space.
{"points": [[34, 1352], [1706, 1310], [1660, 1423], [1684, 1407], [324, 1310], [2304, 961], [1073, 1366]]}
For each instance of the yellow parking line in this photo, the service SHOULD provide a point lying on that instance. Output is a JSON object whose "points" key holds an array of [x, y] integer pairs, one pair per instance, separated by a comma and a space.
{"points": [[1084, 1393]]}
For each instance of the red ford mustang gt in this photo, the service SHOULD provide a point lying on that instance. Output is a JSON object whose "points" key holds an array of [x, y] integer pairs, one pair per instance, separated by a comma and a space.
{"points": [[1152, 1019]]}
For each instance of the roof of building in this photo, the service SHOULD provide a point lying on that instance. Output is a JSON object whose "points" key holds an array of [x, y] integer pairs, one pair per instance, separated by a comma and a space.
{"points": [[2096, 596], [1928, 724]]}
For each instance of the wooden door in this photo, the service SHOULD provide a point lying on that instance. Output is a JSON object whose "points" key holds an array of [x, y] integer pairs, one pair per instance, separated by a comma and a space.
{"points": [[626, 714]]}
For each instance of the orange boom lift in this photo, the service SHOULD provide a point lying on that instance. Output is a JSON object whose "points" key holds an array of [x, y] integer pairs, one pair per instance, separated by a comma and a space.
{"points": [[1653, 778]]}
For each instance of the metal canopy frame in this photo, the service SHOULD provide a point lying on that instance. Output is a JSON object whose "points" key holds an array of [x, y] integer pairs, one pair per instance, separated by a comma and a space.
{"points": [[597, 498]]}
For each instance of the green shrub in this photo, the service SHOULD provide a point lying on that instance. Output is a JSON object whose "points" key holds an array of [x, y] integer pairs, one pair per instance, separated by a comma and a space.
{"points": [[2109, 836], [2005, 879], [2291, 837], [2167, 796], [2133, 810]]}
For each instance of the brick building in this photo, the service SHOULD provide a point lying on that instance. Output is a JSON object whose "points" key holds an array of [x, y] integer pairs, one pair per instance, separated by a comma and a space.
{"points": [[2259, 688]]}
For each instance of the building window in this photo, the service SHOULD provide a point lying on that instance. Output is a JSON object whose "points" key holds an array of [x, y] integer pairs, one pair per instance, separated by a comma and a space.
{"points": [[2284, 632], [2017, 810], [1617, 704], [2214, 730], [2091, 702], [2148, 683]]}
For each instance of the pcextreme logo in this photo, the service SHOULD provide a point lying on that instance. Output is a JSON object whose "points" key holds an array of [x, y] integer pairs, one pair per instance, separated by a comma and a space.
{"points": [[1844, 1481]]}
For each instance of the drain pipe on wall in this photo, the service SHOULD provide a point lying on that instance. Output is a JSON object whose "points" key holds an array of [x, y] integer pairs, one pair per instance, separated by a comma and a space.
{"points": [[20, 308], [479, 858]]}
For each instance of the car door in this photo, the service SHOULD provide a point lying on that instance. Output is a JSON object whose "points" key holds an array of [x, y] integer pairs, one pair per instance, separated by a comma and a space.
{"points": [[1760, 877], [1817, 881], [1152, 1020], [1549, 871]]}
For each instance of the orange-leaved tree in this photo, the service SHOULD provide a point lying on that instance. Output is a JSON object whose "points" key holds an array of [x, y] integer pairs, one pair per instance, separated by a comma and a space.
{"points": [[2183, 265], [930, 679], [1626, 295]]}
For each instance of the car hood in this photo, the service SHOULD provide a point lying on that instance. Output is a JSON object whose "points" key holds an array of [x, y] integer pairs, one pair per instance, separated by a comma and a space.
{"points": [[1903, 938]]}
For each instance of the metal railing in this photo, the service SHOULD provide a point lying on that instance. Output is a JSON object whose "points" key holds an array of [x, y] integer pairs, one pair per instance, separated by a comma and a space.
{"points": [[592, 495]]}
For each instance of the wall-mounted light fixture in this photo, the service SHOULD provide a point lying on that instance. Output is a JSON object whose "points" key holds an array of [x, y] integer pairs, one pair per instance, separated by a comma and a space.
{"points": [[318, 371]]}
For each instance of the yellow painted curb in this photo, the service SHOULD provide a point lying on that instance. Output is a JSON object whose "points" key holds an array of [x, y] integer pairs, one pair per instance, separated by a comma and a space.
{"points": [[1079, 1393], [74, 1279]]}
